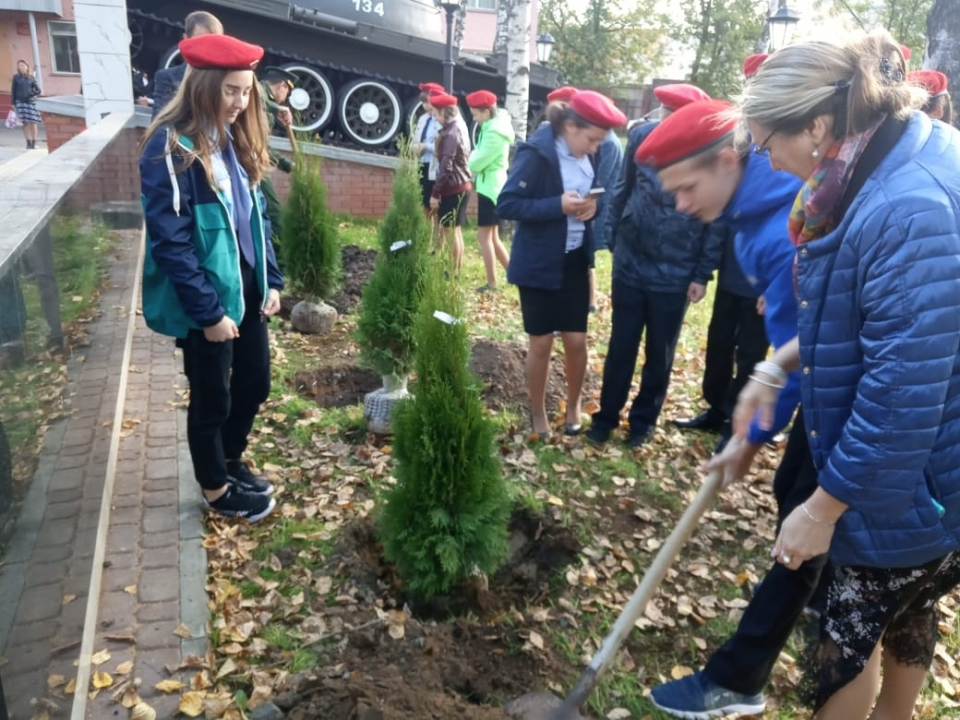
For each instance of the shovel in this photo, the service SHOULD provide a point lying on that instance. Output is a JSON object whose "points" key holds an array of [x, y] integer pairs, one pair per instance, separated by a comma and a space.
{"points": [[546, 706]]}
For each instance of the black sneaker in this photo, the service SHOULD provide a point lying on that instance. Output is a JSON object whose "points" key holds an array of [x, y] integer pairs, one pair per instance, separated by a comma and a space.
{"points": [[598, 434], [239, 475], [640, 438], [237, 503]]}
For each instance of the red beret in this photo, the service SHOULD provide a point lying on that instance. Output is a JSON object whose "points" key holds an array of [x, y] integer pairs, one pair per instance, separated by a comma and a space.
{"points": [[932, 81], [221, 52], [562, 94], [597, 109], [442, 100], [481, 99], [907, 52], [431, 87], [676, 95], [753, 63], [689, 131]]}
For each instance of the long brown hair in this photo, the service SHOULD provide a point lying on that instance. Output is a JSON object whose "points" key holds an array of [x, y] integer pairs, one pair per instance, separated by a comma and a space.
{"points": [[195, 111]]}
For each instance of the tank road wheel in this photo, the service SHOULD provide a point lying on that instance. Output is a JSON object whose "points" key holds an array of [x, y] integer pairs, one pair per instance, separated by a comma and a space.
{"points": [[136, 38], [411, 115], [311, 100], [171, 58], [370, 112]]}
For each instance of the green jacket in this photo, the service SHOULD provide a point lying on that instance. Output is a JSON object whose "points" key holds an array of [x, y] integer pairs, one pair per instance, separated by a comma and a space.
{"points": [[490, 158], [191, 271], [272, 108]]}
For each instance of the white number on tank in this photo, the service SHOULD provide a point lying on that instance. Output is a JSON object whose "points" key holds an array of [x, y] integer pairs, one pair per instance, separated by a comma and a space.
{"points": [[367, 6]]}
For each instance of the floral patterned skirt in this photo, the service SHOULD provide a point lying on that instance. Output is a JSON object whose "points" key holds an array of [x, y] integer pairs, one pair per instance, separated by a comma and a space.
{"points": [[895, 606]]}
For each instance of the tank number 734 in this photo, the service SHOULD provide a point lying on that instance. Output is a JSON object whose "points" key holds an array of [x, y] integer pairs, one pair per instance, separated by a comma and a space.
{"points": [[368, 7]]}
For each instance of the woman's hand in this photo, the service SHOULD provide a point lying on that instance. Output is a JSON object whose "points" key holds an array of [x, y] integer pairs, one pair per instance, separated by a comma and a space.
{"points": [[273, 303], [434, 203], [589, 209], [224, 330], [755, 397], [735, 460], [571, 203], [808, 530], [761, 305]]}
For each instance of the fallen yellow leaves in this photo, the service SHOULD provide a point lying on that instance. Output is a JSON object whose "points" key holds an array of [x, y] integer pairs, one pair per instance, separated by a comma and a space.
{"points": [[101, 680], [169, 686], [142, 711], [191, 704], [99, 658]]}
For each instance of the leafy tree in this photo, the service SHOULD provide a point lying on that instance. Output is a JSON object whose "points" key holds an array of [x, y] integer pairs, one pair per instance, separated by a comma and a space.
{"points": [[944, 50], [310, 245], [447, 514], [611, 42], [905, 19], [392, 295], [720, 34]]}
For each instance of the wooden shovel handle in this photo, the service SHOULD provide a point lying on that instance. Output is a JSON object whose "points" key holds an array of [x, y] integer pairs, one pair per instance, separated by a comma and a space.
{"points": [[646, 590]]}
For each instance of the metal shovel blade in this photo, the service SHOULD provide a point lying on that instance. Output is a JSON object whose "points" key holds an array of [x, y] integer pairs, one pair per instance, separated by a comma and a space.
{"points": [[540, 706]]}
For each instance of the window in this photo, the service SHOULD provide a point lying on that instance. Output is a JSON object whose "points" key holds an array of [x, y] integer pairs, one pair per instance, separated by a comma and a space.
{"points": [[63, 44], [482, 4]]}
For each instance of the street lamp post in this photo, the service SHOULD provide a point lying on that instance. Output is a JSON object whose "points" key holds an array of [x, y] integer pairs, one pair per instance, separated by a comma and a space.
{"points": [[451, 9], [781, 25], [545, 43]]}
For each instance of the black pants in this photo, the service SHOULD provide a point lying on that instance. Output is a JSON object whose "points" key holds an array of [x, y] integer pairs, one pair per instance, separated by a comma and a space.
{"points": [[737, 341], [634, 310], [744, 662], [228, 382]]}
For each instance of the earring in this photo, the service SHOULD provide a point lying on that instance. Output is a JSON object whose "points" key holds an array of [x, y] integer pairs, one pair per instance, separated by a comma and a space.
{"points": [[816, 153]]}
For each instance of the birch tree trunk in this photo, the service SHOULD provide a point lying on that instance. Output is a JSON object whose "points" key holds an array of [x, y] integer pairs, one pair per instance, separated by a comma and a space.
{"points": [[518, 63], [943, 44]]}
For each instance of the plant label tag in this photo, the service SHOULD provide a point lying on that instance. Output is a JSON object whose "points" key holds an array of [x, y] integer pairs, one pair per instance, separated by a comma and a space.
{"points": [[400, 245], [446, 317]]}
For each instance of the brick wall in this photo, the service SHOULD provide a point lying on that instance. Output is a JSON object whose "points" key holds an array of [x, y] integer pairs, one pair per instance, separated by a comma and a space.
{"points": [[355, 189], [352, 188], [114, 176]]}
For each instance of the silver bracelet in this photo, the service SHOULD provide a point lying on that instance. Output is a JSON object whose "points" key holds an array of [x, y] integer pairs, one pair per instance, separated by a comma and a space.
{"points": [[766, 382], [816, 520], [772, 369]]}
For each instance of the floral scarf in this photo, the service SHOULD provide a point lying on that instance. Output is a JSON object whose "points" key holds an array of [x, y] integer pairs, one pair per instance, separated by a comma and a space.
{"points": [[814, 212]]}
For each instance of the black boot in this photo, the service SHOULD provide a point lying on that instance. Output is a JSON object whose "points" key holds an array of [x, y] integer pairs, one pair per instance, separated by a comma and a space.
{"points": [[710, 420]]}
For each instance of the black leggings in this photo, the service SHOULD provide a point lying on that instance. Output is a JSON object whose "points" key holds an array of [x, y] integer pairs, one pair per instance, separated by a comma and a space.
{"points": [[228, 382]]}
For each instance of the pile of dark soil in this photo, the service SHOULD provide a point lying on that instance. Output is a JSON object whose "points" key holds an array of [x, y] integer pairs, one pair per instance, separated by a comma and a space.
{"points": [[336, 386], [502, 366], [448, 666], [357, 268]]}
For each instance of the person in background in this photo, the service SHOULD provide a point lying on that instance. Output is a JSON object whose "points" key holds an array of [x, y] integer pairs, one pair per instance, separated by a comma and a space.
{"points": [[488, 162], [736, 338], [752, 63], [548, 194], [23, 93], [877, 231], [662, 261], [423, 141], [210, 277], [167, 80], [451, 191], [275, 85], [935, 83], [142, 89], [609, 163], [717, 180]]}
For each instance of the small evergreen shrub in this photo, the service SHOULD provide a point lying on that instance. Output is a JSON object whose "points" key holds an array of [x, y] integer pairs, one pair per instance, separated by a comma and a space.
{"points": [[310, 243], [447, 515], [392, 295]]}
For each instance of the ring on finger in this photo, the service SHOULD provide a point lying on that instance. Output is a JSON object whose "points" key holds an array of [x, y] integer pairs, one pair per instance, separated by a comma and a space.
{"points": [[785, 558]]}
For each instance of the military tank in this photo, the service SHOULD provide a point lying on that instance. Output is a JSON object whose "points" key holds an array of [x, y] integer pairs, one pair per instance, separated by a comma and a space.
{"points": [[358, 62]]}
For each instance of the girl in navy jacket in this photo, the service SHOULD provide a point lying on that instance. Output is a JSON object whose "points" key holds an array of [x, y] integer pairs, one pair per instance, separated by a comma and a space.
{"points": [[548, 194]]}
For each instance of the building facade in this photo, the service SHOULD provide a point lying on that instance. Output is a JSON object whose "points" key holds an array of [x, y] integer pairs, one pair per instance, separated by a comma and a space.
{"points": [[51, 39]]}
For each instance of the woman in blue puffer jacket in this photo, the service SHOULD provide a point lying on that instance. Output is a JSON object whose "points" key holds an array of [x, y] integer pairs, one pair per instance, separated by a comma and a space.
{"points": [[877, 230]]}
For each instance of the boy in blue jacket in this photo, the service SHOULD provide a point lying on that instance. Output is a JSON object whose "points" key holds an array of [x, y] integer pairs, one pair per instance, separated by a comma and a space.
{"points": [[696, 159]]}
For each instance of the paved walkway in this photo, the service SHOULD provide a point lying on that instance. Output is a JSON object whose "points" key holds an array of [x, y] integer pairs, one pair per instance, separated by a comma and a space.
{"points": [[153, 574]]}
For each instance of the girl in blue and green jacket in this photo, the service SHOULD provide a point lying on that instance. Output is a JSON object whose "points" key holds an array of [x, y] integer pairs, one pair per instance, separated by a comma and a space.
{"points": [[210, 277]]}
